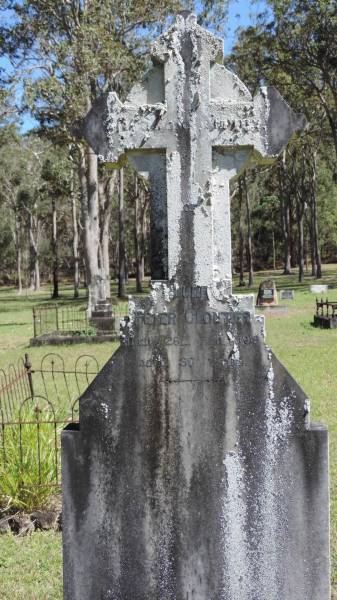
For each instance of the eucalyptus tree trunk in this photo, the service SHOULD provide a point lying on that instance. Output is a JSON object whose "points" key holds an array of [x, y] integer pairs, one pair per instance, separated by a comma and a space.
{"points": [[121, 249], [88, 175], [306, 253], [249, 244], [241, 238], [312, 242], [91, 227], [317, 251], [145, 203], [18, 251], [285, 213], [317, 248], [106, 189], [138, 235], [274, 250], [300, 240], [34, 268], [75, 241], [292, 238], [84, 209], [286, 236], [18, 269], [54, 246]]}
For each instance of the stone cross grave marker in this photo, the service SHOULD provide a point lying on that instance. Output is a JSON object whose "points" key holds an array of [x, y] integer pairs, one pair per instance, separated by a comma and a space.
{"points": [[191, 124], [194, 472]]}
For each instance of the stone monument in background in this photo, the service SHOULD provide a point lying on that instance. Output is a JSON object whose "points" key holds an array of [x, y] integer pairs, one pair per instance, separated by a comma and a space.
{"points": [[194, 473]]}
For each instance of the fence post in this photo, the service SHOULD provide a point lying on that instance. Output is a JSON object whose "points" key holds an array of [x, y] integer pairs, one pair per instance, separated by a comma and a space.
{"points": [[28, 367]]}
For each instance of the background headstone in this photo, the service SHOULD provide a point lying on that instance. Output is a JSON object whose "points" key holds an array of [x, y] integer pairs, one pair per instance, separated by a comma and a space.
{"points": [[267, 294], [287, 294], [318, 288]]}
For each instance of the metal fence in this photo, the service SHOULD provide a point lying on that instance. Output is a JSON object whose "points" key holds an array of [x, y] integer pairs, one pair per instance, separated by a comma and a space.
{"points": [[51, 318], [35, 404]]}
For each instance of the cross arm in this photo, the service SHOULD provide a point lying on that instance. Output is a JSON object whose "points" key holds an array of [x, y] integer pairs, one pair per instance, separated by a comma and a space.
{"points": [[112, 127], [279, 120], [266, 123]]}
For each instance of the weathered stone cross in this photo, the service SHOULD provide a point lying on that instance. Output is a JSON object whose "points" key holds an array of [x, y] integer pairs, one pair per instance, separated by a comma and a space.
{"points": [[191, 124]]}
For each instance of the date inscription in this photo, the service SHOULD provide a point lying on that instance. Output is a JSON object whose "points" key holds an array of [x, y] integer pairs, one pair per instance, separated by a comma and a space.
{"points": [[156, 341], [183, 362]]}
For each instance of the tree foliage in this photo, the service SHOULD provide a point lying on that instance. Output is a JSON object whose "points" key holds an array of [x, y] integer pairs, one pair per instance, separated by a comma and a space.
{"points": [[67, 53]]}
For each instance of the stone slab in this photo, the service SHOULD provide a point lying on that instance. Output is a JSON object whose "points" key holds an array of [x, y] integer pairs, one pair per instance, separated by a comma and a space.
{"points": [[64, 340], [287, 294], [195, 472], [103, 322], [273, 308], [318, 289]]}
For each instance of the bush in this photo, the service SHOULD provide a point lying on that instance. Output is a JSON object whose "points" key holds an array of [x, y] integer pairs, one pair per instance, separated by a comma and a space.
{"points": [[28, 469]]}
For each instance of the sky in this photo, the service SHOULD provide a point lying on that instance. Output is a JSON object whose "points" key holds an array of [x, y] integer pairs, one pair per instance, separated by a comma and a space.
{"points": [[241, 13]]}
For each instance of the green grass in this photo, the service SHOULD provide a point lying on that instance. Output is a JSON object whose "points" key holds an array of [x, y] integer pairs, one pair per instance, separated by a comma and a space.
{"points": [[308, 353], [31, 567], [16, 327]]}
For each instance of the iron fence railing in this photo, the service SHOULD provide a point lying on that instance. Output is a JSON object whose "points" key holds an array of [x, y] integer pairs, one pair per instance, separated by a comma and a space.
{"points": [[35, 404], [51, 318], [67, 319]]}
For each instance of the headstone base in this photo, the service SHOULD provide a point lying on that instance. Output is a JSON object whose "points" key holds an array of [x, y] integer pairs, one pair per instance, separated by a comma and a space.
{"points": [[195, 472], [102, 317]]}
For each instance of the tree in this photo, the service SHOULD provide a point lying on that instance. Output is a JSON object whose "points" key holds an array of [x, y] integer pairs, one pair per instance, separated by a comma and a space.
{"points": [[10, 181], [75, 231], [122, 248], [301, 40], [291, 49], [241, 232], [249, 244], [56, 186], [80, 48], [21, 160], [285, 213]]}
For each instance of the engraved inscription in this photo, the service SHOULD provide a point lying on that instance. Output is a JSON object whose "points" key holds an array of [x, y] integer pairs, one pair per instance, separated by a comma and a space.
{"points": [[156, 361], [186, 362], [190, 316], [156, 341], [186, 291], [165, 318], [241, 340]]}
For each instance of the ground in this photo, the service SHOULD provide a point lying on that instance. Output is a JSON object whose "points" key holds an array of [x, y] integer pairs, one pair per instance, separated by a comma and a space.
{"points": [[30, 567]]}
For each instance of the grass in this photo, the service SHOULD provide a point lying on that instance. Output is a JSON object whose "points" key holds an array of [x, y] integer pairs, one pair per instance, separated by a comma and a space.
{"points": [[308, 353], [31, 567], [16, 327]]}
